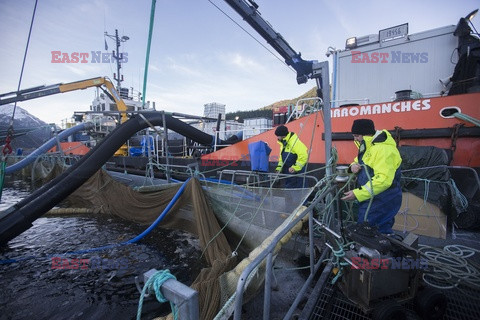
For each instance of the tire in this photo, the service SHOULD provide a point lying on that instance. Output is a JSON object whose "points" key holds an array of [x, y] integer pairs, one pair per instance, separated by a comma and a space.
{"points": [[388, 309], [431, 304]]}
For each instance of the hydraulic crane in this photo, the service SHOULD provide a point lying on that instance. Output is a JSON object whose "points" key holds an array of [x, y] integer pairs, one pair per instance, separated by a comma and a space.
{"points": [[305, 69], [313, 69], [42, 91]]}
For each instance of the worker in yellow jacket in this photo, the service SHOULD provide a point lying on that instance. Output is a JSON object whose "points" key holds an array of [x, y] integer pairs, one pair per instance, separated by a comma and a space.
{"points": [[378, 176], [293, 156]]}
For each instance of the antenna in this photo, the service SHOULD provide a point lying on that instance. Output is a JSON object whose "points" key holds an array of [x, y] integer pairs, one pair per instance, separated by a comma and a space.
{"points": [[118, 56]]}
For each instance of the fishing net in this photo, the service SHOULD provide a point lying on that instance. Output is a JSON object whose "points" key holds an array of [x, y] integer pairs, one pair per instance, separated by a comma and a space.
{"points": [[40, 171], [250, 214], [224, 216], [113, 197]]}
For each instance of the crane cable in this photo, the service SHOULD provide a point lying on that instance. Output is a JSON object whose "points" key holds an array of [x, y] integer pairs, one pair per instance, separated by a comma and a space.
{"points": [[7, 149], [251, 35]]}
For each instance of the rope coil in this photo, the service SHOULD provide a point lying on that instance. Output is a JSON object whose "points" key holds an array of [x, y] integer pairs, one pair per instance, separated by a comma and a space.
{"points": [[153, 285], [448, 267]]}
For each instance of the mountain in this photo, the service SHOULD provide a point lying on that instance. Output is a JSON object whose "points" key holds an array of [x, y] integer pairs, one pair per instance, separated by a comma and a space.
{"points": [[29, 131], [267, 111], [309, 94]]}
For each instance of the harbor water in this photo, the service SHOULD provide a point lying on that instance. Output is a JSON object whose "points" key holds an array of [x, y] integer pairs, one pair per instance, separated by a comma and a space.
{"points": [[39, 280]]}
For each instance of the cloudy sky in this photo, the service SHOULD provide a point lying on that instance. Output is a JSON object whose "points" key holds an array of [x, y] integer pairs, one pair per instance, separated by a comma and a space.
{"points": [[198, 54]]}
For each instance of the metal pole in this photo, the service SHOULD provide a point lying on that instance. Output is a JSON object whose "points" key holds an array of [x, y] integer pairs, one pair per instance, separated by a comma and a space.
{"points": [[217, 133], [323, 89], [165, 138], [306, 285], [184, 297], [268, 287], [310, 241], [59, 145], [156, 148], [117, 43]]}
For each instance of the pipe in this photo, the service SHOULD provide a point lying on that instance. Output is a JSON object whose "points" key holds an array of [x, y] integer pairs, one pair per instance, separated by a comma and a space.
{"points": [[161, 216], [20, 216], [47, 146], [115, 245]]}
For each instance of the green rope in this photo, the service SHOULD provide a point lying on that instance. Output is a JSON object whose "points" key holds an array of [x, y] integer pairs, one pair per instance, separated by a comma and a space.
{"points": [[456, 194], [371, 192], [339, 255], [154, 284], [147, 58], [466, 117]]}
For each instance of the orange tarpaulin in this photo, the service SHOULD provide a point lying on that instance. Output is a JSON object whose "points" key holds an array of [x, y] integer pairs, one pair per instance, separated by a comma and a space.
{"points": [[74, 148]]}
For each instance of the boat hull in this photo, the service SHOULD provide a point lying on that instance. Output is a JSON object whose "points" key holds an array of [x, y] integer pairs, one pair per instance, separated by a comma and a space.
{"points": [[412, 122]]}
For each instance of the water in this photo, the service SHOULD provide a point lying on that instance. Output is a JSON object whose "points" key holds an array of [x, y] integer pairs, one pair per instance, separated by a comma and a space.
{"points": [[44, 288]]}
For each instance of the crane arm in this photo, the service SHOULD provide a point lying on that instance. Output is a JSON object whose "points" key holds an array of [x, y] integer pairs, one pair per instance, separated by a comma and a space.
{"points": [[305, 69], [42, 91], [251, 15]]}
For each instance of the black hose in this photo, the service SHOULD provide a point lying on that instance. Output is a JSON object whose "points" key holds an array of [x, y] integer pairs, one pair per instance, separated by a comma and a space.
{"points": [[19, 217]]}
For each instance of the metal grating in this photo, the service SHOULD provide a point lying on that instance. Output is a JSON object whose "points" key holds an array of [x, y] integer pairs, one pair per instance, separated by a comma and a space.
{"points": [[332, 304]]}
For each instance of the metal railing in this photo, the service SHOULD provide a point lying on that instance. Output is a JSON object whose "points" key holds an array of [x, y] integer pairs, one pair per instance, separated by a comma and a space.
{"points": [[268, 254], [300, 113], [336, 103], [255, 178], [190, 170], [184, 297]]}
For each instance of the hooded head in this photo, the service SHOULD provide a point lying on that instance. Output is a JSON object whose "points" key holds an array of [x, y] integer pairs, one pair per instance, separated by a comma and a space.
{"points": [[364, 127], [281, 131]]}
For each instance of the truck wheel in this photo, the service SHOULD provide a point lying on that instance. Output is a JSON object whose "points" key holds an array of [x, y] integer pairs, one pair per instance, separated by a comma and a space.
{"points": [[431, 304], [388, 309]]}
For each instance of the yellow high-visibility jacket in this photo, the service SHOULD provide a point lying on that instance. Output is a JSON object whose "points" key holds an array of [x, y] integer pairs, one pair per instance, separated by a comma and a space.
{"points": [[383, 157], [292, 144]]}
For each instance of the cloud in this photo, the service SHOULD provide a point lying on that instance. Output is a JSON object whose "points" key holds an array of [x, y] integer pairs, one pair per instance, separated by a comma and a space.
{"points": [[154, 67], [242, 62], [180, 66], [342, 17], [81, 71]]}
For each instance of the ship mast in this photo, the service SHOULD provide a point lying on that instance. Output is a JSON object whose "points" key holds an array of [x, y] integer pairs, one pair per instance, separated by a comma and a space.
{"points": [[117, 55]]}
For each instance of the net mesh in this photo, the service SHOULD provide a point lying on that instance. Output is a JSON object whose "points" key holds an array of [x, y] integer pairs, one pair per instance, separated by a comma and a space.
{"points": [[248, 216], [40, 171]]}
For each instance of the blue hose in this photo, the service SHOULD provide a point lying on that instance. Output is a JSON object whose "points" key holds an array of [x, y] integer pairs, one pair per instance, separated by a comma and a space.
{"points": [[161, 216], [45, 147], [133, 240]]}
